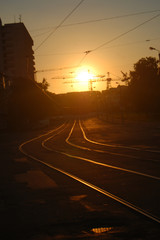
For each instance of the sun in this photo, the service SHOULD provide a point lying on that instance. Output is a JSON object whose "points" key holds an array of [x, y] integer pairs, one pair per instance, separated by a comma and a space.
{"points": [[83, 77]]}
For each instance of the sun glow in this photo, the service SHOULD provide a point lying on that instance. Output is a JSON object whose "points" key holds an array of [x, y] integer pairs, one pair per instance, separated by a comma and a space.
{"points": [[84, 77]]}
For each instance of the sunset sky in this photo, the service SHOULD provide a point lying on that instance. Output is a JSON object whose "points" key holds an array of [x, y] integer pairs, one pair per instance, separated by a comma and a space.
{"points": [[117, 33]]}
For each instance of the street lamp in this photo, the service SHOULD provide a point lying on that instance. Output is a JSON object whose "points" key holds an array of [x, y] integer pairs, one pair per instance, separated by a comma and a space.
{"points": [[155, 49]]}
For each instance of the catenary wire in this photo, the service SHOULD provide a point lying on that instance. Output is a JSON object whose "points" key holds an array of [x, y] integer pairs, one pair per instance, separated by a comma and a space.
{"points": [[98, 20], [109, 18], [63, 68], [60, 24], [117, 37], [125, 33], [100, 46], [113, 46]]}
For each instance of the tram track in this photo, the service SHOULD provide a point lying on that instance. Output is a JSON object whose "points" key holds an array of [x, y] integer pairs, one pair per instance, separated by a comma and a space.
{"points": [[92, 161], [110, 152], [58, 132], [114, 145]]}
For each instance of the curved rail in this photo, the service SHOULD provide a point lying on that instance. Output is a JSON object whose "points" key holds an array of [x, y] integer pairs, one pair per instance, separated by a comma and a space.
{"points": [[95, 162], [103, 151], [96, 188], [60, 128], [114, 145]]}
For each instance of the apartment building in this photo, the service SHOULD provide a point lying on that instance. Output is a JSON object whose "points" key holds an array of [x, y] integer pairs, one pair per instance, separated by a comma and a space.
{"points": [[16, 54]]}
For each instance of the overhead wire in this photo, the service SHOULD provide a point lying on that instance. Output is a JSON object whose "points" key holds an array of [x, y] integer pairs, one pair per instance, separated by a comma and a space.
{"points": [[102, 45], [109, 18], [82, 59], [113, 46], [63, 53], [125, 33], [60, 24], [57, 69], [117, 37], [130, 43], [98, 20]]}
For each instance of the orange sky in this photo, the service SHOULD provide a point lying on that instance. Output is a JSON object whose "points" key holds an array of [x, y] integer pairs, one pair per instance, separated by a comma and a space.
{"points": [[87, 29]]}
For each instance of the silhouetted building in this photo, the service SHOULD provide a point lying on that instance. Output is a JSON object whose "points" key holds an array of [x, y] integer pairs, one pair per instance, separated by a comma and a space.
{"points": [[16, 54]]}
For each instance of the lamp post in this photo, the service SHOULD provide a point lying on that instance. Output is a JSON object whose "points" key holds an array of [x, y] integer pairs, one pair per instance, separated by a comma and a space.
{"points": [[155, 49]]}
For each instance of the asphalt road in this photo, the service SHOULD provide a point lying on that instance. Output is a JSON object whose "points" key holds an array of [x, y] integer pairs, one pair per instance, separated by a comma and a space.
{"points": [[47, 187]]}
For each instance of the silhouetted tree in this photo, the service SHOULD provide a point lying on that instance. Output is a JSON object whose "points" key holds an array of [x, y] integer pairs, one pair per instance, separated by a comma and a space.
{"points": [[145, 72], [43, 85], [144, 85], [126, 78]]}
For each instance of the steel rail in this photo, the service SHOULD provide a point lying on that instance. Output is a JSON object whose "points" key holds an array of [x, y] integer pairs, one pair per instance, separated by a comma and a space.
{"points": [[114, 145], [92, 161], [98, 189], [104, 151], [42, 135]]}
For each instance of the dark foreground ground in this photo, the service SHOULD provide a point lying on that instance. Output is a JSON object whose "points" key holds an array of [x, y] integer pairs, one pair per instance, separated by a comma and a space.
{"points": [[45, 205]]}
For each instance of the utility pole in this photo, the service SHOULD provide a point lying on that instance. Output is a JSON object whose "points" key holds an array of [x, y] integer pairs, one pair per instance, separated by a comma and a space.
{"points": [[108, 81], [154, 49]]}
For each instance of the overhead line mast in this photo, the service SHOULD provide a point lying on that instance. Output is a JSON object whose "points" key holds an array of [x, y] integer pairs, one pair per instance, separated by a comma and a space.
{"points": [[99, 78]]}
